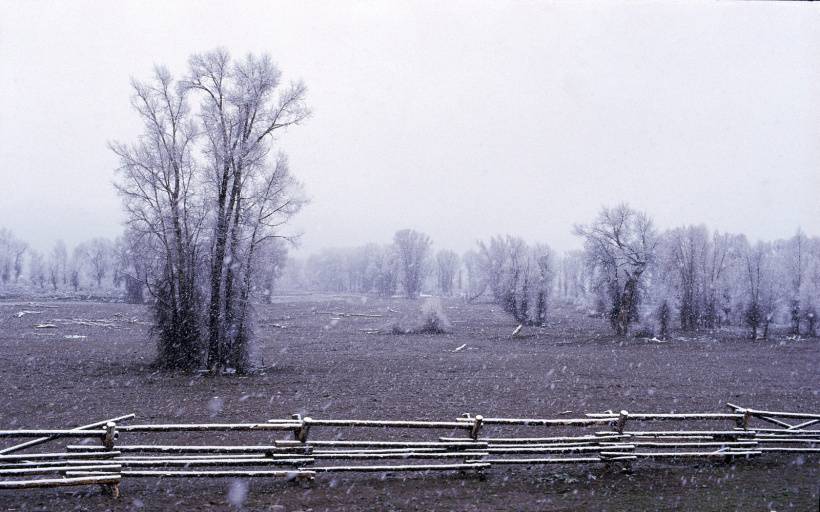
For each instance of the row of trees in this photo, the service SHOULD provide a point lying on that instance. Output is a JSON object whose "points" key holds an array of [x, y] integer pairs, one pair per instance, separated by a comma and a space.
{"points": [[405, 265], [687, 278], [631, 273], [99, 262], [517, 276]]}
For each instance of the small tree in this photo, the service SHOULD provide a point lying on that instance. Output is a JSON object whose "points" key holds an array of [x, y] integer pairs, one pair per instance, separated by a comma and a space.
{"points": [[272, 259], [12, 252], [476, 283], [519, 277], [413, 250], [387, 271], [37, 269], [664, 314], [97, 255], [760, 288], [58, 264], [447, 265]]}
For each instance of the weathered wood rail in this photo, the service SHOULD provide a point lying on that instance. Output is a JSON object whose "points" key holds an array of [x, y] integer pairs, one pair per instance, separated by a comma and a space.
{"points": [[303, 457]]}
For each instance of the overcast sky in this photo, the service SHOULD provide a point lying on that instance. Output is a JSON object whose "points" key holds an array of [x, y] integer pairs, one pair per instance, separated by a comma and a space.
{"points": [[461, 119]]}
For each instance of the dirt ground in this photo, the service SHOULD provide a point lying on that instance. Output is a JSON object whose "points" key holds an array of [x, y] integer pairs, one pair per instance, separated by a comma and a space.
{"points": [[330, 367]]}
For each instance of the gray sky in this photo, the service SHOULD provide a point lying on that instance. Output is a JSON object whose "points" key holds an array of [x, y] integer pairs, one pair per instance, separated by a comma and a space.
{"points": [[461, 119]]}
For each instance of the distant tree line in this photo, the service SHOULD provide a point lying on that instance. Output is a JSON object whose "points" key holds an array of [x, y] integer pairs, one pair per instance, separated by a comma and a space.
{"points": [[97, 263], [515, 275], [640, 280], [401, 266], [691, 277]]}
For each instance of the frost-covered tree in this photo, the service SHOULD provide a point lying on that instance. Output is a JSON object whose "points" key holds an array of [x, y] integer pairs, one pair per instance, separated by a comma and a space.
{"points": [[519, 277], [387, 271], [794, 262], [273, 257], [761, 287], [413, 251], [12, 253], [619, 246], [571, 277], [476, 282], [76, 268], [208, 189], [161, 192], [447, 266], [135, 260], [721, 257], [58, 264], [97, 255], [37, 269], [494, 264], [686, 252], [243, 107]]}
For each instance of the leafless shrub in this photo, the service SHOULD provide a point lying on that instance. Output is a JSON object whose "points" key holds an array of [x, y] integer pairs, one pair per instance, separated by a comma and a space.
{"points": [[430, 319]]}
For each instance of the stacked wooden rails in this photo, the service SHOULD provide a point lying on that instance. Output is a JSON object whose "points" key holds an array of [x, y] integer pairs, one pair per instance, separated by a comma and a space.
{"points": [[598, 438]]}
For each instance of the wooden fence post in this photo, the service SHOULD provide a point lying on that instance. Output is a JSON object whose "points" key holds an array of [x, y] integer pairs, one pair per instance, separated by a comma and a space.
{"points": [[477, 421], [744, 421], [622, 417], [301, 432], [110, 435], [108, 439]]}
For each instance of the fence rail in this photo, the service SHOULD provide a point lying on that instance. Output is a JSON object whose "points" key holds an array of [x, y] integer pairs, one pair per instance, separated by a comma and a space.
{"points": [[109, 462]]}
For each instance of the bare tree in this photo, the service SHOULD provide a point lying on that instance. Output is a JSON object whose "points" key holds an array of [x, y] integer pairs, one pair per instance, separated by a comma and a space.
{"points": [[135, 261], [795, 259], [160, 187], [37, 269], [572, 277], [201, 186], [75, 268], [272, 260], [447, 265], [387, 268], [519, 277], [493, 264], [620, 245], [476, 283], [243, 107], [722, 256], [19, 249], [413, 250], [12, 252], [97, 254], [58, 264], [761, 287]]}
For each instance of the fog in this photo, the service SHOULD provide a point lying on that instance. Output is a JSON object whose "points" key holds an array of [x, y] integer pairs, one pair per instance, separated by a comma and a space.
{"points": [[460, 120]]}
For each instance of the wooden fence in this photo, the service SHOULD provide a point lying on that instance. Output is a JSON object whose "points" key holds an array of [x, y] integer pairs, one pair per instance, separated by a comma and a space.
{"points": [[614, 438]]}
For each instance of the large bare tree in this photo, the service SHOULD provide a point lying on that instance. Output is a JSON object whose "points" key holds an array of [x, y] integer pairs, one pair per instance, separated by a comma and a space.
{"points": [[161, 190], [620, 245], [242, 108], [205, 187]]}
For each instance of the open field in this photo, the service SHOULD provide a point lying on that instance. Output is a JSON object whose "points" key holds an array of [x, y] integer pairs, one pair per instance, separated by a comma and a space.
{"points": [[96, 363]]}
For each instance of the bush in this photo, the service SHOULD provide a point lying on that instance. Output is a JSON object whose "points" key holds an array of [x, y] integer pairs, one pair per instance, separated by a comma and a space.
{"points": [[430, 320], [644, 331]]}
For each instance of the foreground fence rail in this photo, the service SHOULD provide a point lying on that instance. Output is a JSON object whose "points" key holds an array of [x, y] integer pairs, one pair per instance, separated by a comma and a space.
{"points": [[301, 457]]}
